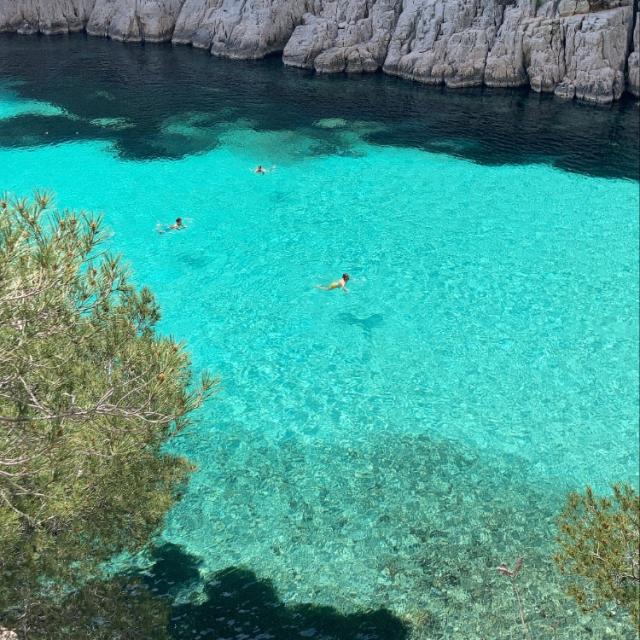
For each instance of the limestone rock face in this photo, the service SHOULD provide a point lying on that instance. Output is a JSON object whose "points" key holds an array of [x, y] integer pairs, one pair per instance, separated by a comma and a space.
{"points": [[345, 35], [586, 49], [142, 20], [444, 41], [48, 17], [239, 28], [581, 55], [505, 65], [633, 71]]}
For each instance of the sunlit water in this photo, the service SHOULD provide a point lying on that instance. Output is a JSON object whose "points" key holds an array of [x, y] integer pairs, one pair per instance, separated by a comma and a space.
{"points": [[390, 446]]}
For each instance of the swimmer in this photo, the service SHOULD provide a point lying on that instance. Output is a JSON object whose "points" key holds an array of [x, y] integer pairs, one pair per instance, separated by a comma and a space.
{"points": [[178, 225], [336, 284], [260, 170]]}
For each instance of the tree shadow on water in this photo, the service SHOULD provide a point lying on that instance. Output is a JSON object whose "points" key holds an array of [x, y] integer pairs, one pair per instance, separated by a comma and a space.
{"points": [[237, 604]]}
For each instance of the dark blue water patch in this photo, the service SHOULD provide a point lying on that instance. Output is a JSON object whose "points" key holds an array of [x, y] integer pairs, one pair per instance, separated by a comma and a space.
{"points": [[235, 603], [27, 130], [95, 80], [367, 324]]}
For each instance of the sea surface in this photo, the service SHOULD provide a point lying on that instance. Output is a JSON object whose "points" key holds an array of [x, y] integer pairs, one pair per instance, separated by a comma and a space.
{"points": [[376, 453]]}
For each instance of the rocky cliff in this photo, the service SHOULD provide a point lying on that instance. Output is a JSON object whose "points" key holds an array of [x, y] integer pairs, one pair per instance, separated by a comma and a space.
{"points": [[587, 49]]}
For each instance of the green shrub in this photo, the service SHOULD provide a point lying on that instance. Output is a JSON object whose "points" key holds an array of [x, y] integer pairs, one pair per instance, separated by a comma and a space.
{"points": [[599, 541]]}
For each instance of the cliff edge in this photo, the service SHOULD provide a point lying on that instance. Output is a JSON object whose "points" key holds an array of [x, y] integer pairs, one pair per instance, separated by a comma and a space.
{"points": [[586, 49]]}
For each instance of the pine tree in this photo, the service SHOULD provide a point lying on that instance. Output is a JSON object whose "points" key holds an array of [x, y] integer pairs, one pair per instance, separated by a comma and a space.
{"points": [[599, 542], [89, 394]]}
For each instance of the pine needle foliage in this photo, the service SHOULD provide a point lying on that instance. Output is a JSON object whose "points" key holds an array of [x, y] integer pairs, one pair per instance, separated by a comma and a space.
{"points": [[89, 394], [599, 539]]}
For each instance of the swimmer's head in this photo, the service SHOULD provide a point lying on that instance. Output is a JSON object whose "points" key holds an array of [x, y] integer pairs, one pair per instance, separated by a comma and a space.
{"points": [[345, 277], [178, 220]]}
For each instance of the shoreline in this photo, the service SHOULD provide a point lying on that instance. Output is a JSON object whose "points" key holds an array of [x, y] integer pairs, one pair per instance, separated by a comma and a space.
{"points": [[578, 52]]}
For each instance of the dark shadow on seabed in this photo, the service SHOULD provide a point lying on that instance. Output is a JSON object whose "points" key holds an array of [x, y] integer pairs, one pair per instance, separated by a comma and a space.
{"points": [[126, 94], [237, 604]]}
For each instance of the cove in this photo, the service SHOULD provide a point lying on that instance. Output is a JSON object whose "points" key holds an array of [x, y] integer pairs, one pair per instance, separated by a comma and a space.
{"points": [[388, 448]]}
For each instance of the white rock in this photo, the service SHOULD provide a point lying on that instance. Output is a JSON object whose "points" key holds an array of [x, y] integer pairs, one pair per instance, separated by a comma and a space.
{"points": [[633, 64], [248, 29], [556, 46], [143, 20], [443, 41], [347, 35], [582, 55], [44, 16], [505, 62]]}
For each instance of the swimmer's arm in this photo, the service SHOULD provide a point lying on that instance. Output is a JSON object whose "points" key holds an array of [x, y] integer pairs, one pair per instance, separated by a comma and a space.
{"points": [[345, 289]]}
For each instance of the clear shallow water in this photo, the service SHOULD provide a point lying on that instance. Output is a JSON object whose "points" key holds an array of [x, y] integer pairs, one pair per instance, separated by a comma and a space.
{"points": [[388, 447]]}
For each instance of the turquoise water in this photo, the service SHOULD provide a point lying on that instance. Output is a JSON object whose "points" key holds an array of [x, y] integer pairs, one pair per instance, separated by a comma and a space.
{"points": [[387, 447]]}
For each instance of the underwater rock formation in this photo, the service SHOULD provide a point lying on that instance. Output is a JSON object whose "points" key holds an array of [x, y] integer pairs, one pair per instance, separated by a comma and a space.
{"points": [[586, 49]]}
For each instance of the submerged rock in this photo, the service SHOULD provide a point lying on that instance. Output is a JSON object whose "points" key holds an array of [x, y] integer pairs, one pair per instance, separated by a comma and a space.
{"points": [[586, 49]]}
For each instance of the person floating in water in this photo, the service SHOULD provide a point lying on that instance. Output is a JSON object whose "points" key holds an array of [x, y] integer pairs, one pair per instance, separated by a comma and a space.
{"points": [[178, 225], [336, 284], [260, 170]]}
